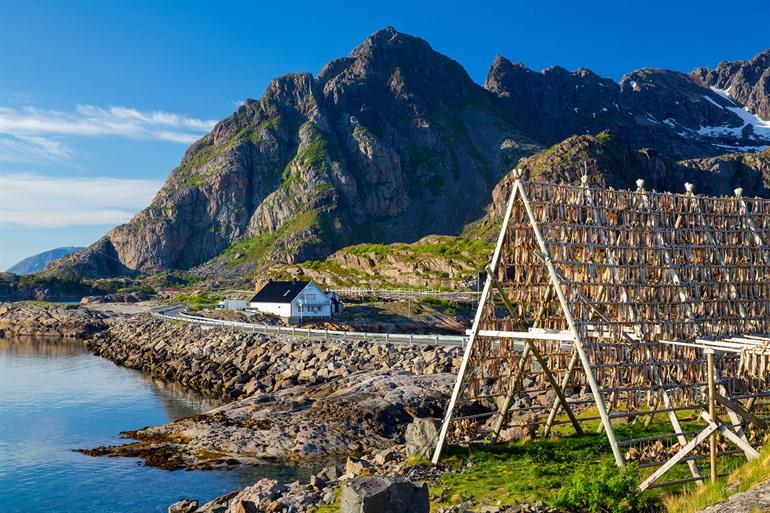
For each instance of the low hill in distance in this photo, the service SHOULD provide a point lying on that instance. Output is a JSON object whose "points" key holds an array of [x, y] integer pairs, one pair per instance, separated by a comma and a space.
{"points": [[37, 263]]}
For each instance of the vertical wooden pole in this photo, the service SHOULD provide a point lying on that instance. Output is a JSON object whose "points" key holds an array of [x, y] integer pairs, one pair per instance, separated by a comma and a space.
{"points": [[712, 414], [578, 339], [456, 391]]}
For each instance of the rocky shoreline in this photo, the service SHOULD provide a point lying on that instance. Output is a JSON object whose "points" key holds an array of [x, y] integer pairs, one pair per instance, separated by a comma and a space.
{"points": [[295, 400], [298, 401], [30, 320]]}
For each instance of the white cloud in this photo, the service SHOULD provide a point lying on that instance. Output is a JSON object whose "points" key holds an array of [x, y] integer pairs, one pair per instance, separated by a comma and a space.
{"points": [[32, 148], [33, 200], [31, 134]]}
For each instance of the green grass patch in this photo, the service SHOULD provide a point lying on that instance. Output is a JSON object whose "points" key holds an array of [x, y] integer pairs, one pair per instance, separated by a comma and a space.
{"points": [[254, 249], [199, 300], [46, 304], [195, 180], [454, 247], [693, 497], [524, 471]]}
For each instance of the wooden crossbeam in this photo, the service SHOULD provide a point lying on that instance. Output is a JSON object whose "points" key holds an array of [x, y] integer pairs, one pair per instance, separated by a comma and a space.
{"points": [[751, 452], [543, 365], [681, 454]]}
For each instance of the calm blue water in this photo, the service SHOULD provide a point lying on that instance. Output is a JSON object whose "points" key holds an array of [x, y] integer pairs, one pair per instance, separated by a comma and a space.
{"points": [[57, 397]]}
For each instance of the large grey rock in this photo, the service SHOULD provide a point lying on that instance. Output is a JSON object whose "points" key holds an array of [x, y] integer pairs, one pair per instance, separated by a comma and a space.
{"points": [[384, 495], [183, 506], [421, 436]]}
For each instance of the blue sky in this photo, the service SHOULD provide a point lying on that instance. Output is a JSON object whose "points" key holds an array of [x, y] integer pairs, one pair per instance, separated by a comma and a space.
{"points": [[99, 100]]}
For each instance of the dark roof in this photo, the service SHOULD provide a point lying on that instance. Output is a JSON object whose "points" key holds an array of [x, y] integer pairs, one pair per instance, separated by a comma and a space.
{"points": [[279, 291]]}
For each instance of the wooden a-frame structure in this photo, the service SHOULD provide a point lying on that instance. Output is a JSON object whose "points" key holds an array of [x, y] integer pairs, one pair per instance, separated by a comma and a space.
{"points": [[649, 303]]}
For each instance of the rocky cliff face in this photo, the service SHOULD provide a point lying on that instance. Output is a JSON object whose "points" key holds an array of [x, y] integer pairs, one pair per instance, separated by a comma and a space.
{"points": [[379, 147], [672, 112], [747, 82], [395, 142]]}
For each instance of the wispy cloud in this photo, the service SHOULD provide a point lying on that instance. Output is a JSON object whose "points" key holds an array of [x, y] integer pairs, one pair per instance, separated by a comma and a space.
{"points": [[32, 148], [33, 200], [31, 134]]}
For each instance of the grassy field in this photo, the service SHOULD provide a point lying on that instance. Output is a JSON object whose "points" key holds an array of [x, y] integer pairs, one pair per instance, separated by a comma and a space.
{"points": [[548, 470]]}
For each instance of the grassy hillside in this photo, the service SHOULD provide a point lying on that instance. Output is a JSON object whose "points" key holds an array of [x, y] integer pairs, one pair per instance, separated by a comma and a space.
{"points": [[434, 262]]}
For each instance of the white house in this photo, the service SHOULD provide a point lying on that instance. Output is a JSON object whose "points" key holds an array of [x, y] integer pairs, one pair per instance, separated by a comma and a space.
{"points": [[294, 300]]}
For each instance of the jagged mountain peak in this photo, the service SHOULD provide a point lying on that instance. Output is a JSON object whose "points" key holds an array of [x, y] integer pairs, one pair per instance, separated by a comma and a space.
{"points": [[747, 82], [382, 146], [398, 61], [377, 148]]}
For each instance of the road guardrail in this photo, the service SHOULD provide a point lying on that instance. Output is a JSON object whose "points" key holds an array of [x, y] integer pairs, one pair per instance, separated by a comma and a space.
{"points": [[411, 338]]}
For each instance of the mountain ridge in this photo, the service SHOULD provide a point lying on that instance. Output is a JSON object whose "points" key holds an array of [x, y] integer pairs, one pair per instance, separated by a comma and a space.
{"points": [[39, 261], [383, 146]]}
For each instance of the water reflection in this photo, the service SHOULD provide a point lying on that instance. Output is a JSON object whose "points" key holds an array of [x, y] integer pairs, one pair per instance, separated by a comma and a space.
{"points": [[56, 397]]}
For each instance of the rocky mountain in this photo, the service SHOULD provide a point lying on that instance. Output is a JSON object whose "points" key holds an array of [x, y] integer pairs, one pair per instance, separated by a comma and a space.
{"points": [[36, 263], [746, 82], [395, 142], [610, 161], [380, 146], [670, 111]]}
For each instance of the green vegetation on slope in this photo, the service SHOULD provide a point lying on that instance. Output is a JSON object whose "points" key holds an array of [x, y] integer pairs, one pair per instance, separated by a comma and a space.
{"points": [[444, 246], [741, 479], [254, 249], [199, 300], [434, 262]]}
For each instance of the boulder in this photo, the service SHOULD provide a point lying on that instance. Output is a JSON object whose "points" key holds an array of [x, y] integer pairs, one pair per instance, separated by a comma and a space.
{"points": [[330, 473], [357, 467], [183, 506], [260, 494], [385, 456], [421, 436], [384, 495]]}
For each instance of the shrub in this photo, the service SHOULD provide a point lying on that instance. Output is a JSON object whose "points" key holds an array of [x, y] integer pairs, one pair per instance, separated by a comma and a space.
{"points": [[606, 489]]}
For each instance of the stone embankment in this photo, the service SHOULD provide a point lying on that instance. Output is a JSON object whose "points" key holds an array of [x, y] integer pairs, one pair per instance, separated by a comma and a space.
{"points": [[295, 399], [22, 319], [234, 364]]}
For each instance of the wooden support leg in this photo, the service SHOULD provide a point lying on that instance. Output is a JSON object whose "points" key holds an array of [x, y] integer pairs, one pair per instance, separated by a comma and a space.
{"points": [[728, 433], [557, 402], [578, 339], [548, 374], [712, 414], [649, 418], [609, 410], [514, 387], [739, 410]]}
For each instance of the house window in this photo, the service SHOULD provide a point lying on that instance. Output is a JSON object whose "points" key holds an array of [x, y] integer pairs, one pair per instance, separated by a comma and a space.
{"points": [[310, 297]]}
